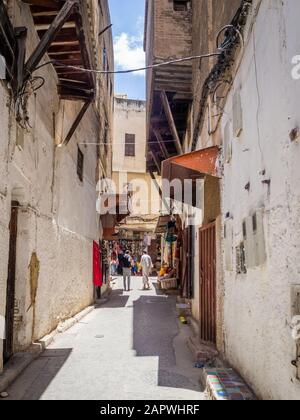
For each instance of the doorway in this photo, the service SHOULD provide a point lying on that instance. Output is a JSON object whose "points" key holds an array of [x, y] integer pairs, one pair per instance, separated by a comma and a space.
{"points": [[8, 348], [208, 307]]}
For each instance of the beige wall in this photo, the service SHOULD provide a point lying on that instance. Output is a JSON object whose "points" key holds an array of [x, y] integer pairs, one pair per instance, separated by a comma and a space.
{"points": [[130, 118]]}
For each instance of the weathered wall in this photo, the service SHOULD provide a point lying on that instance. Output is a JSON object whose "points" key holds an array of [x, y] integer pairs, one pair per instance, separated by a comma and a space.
{"points": [[209, 17], [129, 118], [172, 30], [57, 219], [258, 304]]}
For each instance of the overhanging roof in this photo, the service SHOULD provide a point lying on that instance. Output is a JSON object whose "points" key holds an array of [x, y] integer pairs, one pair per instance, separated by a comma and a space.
{"points": [[69, 47], [115, 204], [193, 165], [162, 223]]}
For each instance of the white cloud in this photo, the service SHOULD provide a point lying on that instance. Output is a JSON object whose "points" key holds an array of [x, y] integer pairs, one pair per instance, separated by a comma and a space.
{"points": [[129, 52]]}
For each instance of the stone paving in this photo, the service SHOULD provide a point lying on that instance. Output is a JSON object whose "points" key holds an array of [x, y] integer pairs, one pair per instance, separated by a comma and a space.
{"points": [[131, 348]]}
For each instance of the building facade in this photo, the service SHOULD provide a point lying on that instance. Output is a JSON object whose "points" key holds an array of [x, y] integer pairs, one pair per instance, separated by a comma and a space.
{"points": [[129, 171], [242, 138], [55, 123]]}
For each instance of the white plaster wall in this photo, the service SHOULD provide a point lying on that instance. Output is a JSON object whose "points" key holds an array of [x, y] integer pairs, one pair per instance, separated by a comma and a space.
{"points": [[258, 304]]}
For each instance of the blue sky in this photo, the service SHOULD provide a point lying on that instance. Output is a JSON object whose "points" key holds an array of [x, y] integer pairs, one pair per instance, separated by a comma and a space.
{"points": [[127, 17]]}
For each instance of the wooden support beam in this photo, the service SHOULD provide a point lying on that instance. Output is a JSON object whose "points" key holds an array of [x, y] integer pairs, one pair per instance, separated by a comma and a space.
{"points": [[169, 115], [159, 190], [21, 36], [46, 3], [156, 161], [84, 51], [76, 122], [49, 36], [161, 142]]}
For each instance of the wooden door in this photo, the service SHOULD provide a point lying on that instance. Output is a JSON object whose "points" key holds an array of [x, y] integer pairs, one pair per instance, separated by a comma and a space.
{"points": [[187, 286], [11, 282], [208, 283]]}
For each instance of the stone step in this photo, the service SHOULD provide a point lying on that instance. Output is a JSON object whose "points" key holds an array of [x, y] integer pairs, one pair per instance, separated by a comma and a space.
{"points": [[224, 384]]}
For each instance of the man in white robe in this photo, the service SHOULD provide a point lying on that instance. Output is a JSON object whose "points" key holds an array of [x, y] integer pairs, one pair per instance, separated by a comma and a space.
{"points": [[147, 265]]}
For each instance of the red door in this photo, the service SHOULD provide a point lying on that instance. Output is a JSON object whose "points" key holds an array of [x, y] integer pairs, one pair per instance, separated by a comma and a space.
{"points": [[208, 308]]}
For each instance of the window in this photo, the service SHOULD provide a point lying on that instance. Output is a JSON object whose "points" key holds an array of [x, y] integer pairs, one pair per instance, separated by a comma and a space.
{"points": [[241, 267], [106, 138], [130, 145], [181, 5], [80, 161], [104, 59]]}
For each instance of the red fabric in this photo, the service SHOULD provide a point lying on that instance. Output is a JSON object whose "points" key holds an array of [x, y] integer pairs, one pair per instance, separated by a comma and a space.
{"points": [[97, 265]]}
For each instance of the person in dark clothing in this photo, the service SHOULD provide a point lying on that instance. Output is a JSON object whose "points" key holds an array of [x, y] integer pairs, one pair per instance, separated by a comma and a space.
{"points": [[127, 267], [121, 264]]}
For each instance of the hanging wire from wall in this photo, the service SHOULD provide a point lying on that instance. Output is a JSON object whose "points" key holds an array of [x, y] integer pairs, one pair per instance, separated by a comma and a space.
{"points": [[29, 88]]}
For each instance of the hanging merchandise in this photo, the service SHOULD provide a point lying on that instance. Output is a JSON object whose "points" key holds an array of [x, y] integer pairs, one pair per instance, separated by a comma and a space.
{"points": [[171, 228], [147, 240], [97, 265]]}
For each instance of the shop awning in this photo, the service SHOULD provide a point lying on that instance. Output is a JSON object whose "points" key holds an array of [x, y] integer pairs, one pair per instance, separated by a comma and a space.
{"points": [[117, 204], [114, 209], [193, 165], [190, 167], [161, 226]]}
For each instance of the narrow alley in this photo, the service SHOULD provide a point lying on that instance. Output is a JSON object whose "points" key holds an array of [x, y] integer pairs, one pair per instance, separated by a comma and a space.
{"points": [[149, 143], [131, 348]]}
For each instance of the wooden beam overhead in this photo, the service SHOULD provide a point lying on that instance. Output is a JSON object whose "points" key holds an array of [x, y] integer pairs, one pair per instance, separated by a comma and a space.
{"points": [[167, 206], [161, 142], [169, 115], [156, 161], [46, 3], [50, 35]]}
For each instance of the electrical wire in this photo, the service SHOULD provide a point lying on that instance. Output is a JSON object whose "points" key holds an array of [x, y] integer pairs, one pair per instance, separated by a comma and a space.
{"points": [[150, 67], [221, 49]]}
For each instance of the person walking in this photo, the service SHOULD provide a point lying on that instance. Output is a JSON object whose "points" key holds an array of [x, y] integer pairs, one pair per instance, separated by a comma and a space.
{"points": [[114, 265], [147, 265], [127, 267]]}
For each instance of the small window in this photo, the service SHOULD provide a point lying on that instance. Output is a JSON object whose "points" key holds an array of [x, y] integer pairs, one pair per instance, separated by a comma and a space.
{"points": [[104, 59], [241, 267], [130, 145], [254, 222], [80, 161], [181, 5], [106, 138], [245, 230]]}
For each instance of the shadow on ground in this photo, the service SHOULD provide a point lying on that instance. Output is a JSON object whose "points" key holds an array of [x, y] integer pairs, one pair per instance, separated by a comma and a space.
{"points": [[154, 330], [36, 379], [117, 299]]}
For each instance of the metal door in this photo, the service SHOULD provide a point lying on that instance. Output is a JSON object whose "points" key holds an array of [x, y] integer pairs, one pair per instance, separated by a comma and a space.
{"points": [[11, 281], [208, 283]]}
